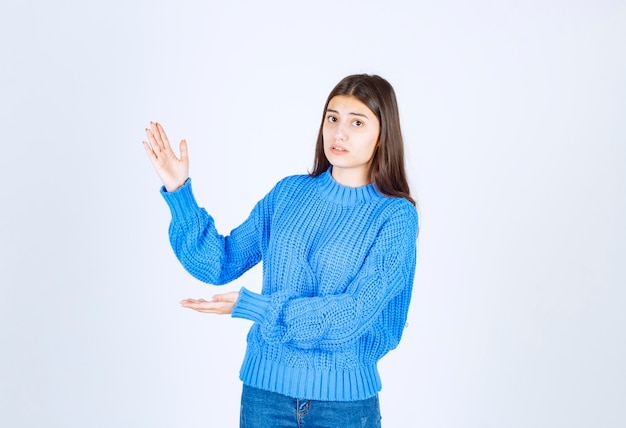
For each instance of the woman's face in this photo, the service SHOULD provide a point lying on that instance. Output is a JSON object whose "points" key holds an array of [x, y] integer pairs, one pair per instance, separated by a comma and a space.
{"points": [[350, 133]]}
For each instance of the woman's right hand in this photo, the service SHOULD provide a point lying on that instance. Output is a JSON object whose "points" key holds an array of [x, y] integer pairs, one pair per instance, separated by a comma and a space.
{"points": [[172, 171]]}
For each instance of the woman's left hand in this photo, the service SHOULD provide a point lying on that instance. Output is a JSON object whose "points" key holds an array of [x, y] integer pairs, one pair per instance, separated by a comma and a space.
{"points": [[221, 304]]}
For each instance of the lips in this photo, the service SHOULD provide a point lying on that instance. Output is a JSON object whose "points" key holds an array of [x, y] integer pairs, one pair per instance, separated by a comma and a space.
{"points": [[338, 149]]}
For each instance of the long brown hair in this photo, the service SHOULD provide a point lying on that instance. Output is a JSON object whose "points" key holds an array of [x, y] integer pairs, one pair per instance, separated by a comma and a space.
{"points": [[387, 171]]}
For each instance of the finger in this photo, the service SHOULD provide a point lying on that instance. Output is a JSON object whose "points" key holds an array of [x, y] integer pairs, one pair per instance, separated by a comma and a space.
{"points": [[202, 307], [184, 152], [191, 301], [156, 139], [156, 136], [149, 151], [210, 307], [156, 148], [163, 137]]}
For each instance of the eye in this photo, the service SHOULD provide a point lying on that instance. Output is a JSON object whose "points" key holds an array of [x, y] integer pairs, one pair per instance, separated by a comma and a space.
{"points": [[331, 119], [357, 123]]}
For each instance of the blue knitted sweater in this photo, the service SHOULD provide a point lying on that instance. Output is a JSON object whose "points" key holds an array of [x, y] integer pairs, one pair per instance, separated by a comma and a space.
{"points": [[338, 268]]}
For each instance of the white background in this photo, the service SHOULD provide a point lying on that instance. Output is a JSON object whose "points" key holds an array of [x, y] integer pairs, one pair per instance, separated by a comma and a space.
{"points": [[513, 115]]}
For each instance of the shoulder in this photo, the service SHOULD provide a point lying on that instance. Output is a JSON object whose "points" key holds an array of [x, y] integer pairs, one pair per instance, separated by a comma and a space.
{"points": [[295, 180], [400, 207], [401, 213], [285, 192], [293, 185]]}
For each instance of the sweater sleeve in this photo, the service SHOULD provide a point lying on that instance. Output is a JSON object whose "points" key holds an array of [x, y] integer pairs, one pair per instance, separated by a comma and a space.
{"points": [[332, 322], [205, 254]]}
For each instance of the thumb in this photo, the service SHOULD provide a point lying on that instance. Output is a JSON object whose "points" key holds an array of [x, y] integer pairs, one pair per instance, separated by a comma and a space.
{"points": [[183, 150], [217, 298], [226, 297]]}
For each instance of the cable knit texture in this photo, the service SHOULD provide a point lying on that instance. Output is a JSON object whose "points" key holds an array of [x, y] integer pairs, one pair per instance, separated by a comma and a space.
{"points": [[338, 268]]}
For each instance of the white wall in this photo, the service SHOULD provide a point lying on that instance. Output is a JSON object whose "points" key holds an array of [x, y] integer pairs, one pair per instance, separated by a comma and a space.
{"points": [[513, 114]]}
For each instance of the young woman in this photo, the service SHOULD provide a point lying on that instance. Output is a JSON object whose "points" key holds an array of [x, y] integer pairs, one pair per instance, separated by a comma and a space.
{"points": [[338, 248]]}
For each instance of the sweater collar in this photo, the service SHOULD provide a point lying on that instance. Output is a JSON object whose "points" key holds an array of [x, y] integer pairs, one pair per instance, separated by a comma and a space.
{"points": [[338, 193]]}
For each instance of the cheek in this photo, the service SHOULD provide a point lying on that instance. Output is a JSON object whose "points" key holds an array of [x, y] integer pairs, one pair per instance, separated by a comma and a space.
{"points": [[373, 140], [326, 135]]}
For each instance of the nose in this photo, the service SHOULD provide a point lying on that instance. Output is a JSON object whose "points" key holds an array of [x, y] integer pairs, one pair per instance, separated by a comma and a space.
{"points": [[340, 132]]}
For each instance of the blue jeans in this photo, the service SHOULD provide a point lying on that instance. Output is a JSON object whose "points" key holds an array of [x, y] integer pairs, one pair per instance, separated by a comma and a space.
{"points": [[265, 409]]}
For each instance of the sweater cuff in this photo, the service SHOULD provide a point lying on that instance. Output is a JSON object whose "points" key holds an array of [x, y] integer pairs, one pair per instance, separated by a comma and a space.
{"points": [[181, 201], [251, 306]]}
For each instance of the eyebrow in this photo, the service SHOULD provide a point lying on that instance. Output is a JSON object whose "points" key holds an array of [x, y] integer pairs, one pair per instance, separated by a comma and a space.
{"points": [[351, 113]]}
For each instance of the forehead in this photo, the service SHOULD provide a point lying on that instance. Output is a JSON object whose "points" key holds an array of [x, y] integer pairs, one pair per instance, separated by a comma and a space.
{"points": [[347, 104]]}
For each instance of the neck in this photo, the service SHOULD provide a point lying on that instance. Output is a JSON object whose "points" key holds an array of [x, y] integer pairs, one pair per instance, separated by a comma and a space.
{"points": [[350, 177]]}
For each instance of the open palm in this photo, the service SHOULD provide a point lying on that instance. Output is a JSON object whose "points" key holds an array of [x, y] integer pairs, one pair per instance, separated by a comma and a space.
{"points": [[172, 171]]}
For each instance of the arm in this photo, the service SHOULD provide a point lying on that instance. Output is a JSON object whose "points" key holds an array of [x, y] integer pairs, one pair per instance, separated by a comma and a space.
{"points": [[335, 321], [205, 254]]}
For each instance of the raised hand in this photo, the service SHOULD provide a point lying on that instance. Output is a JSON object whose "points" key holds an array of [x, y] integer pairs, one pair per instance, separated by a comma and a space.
{"points": [[172, 171], [219, 304]]}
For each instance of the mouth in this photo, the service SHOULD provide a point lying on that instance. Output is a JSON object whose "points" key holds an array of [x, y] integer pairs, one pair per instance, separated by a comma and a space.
{"points": [[338, 149]]}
